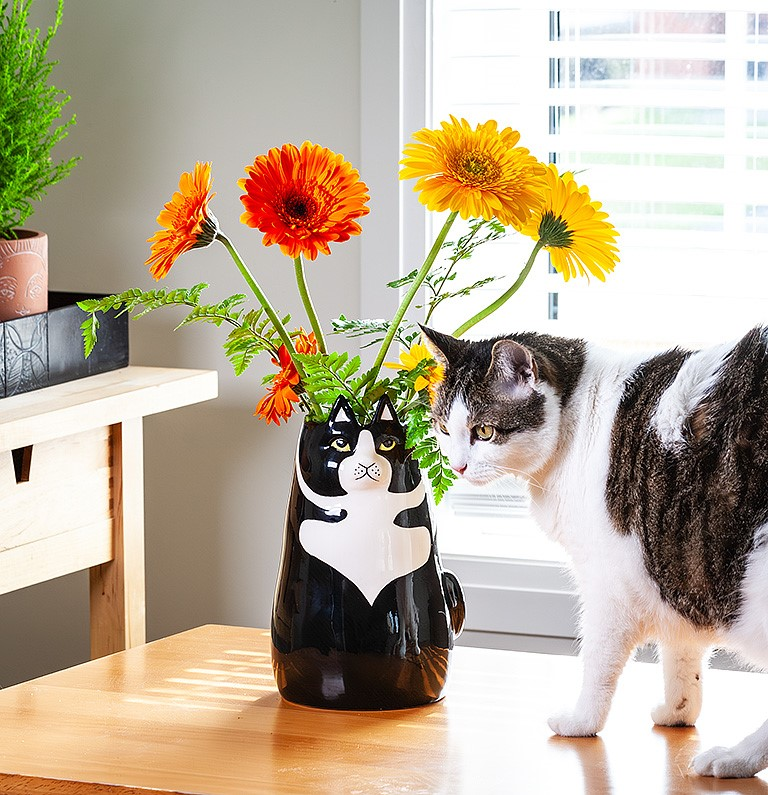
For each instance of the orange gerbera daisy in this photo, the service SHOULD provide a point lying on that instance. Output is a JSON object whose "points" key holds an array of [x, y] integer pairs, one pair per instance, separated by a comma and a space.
{"points": [[574, 230], [186, 220], [479, 173], [277, 404], [305, 343], [303, 199]]}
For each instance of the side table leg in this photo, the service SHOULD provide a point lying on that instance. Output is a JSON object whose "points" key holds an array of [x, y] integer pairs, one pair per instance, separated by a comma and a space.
{"points": [[118, 588]]}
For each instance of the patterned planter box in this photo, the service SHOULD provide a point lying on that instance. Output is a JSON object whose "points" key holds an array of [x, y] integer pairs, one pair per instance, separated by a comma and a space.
{"points": [[46, 349]]}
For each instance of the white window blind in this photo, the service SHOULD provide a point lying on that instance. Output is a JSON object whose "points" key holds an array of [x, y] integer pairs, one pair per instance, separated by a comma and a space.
{"points": [[664, 115]]}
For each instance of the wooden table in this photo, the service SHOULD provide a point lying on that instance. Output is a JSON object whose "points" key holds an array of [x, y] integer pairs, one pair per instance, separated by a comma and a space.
{"points": [[72, 493], [198, 712]]}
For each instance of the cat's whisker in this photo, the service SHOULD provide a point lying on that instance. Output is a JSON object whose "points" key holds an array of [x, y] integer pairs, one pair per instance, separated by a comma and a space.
{"points": [[517, 473]]}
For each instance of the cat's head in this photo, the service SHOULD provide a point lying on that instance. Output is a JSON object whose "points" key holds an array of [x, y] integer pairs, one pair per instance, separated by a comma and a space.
{"points": [[340, 455], [493, 415]]}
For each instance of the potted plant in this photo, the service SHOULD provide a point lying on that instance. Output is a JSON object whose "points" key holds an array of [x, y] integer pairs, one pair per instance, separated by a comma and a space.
{"points": [[30, 108]]}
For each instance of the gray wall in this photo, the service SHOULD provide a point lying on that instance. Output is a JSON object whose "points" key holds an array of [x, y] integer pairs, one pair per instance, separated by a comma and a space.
{"points": [[157, 85]]}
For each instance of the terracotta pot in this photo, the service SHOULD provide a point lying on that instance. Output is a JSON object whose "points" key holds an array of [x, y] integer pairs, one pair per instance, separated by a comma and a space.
{"points": [[23, 275], [364, 615]]}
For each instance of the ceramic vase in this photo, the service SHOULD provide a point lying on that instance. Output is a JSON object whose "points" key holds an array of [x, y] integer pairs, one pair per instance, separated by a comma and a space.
{"points": [[23, 275], [364, 615]]}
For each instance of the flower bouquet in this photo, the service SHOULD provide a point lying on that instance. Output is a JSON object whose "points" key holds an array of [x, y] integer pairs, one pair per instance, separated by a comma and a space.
{"points": [[364, 616], [305, 198]]}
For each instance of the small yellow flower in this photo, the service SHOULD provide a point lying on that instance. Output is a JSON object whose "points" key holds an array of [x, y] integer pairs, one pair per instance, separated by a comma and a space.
{"points": [[574, 230], [479, 173], [411, 359]]}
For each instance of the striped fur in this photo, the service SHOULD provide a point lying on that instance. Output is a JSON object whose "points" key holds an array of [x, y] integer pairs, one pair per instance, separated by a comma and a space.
{"points": [[652, 471]]}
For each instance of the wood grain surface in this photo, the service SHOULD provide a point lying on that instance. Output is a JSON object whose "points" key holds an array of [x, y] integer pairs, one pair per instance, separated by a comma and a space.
{"points": [[198, 713]]}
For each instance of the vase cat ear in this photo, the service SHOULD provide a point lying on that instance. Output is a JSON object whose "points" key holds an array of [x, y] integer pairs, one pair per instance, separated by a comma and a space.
{"points": [[385, 411], [341, 412], [512, 364], [443, 347]]}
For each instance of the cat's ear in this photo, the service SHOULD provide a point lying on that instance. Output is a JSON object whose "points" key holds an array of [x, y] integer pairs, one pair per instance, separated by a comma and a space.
{"points": [[341, 412], [385, 411], [443, 347], [512, 364]]}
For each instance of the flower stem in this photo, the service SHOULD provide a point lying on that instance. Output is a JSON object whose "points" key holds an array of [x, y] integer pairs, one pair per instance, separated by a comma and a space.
{"points": [[502, 299], [257, 291], [309, 307], [409, 296], [262, 299]]}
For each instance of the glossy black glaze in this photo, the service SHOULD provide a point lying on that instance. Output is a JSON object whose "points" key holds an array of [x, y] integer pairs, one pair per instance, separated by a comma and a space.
{"points": [[331, 648]]}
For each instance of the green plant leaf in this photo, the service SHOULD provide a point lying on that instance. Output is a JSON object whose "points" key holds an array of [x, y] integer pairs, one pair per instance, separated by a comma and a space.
{"points": [[425, 449], [329, 375], [30, 107]]}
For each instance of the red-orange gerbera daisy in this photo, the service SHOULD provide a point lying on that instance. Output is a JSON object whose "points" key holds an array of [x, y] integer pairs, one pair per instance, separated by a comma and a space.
{"points": [[303, 199], [277, 404], [187, 221]]}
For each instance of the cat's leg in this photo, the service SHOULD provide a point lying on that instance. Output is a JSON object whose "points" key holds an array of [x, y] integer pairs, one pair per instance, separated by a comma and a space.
{"points": [[608, 638], [750, 756], [682, 668]]}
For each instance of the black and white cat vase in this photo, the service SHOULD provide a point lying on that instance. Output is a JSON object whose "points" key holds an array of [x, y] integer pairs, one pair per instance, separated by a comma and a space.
{"points": [[364, 616]]}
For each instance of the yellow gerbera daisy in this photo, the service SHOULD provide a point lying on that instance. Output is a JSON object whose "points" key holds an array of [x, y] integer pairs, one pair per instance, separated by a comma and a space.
{"points": [[413, 358], [479, 173], [574, 229]]}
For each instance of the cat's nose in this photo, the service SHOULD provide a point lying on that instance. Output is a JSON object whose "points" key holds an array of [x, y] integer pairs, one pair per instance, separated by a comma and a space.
{"points": [[459, 470]]}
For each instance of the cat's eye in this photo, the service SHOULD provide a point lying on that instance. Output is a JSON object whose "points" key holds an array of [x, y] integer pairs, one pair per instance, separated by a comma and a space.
{"points": [[441, 427], [341, 444], [387, 443], [484, 432]]}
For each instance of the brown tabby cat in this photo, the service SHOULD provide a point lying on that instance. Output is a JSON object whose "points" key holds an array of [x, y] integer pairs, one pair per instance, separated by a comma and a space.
{"points": [[652, 472]]}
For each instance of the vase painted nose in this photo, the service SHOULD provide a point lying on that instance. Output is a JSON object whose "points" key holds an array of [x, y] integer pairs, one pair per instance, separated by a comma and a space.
{"points": [[460, 470]]}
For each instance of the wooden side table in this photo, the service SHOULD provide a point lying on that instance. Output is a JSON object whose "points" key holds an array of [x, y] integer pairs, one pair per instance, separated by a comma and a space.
{"points": [[71, 488]]}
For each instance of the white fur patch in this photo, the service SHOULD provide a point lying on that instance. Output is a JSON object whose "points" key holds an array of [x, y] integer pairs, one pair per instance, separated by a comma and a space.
{"points": [[749, 635], [693, 382]]}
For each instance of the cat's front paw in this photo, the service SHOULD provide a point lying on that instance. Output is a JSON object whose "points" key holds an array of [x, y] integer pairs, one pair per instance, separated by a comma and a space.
{"points": [[569, 724], [722, 762], [684, 713]]}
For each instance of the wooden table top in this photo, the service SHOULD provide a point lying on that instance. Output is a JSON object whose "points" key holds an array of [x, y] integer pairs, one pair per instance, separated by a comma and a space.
{"points": [[198, 712]]}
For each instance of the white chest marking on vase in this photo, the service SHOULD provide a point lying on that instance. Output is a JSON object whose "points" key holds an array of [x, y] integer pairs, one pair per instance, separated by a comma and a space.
{"points": [[367, 547]]}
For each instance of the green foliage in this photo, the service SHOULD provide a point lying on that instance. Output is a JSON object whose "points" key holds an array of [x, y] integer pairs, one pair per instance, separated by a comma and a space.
{"points": [[328, 375], [252, 331], [377, 329], [323, 377], [436, 285], [424, 448], [479, 233], [29, 108]]}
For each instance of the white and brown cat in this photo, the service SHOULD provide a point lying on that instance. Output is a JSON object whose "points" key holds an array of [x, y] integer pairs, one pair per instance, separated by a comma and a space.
{"points": [[652, 472]]}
